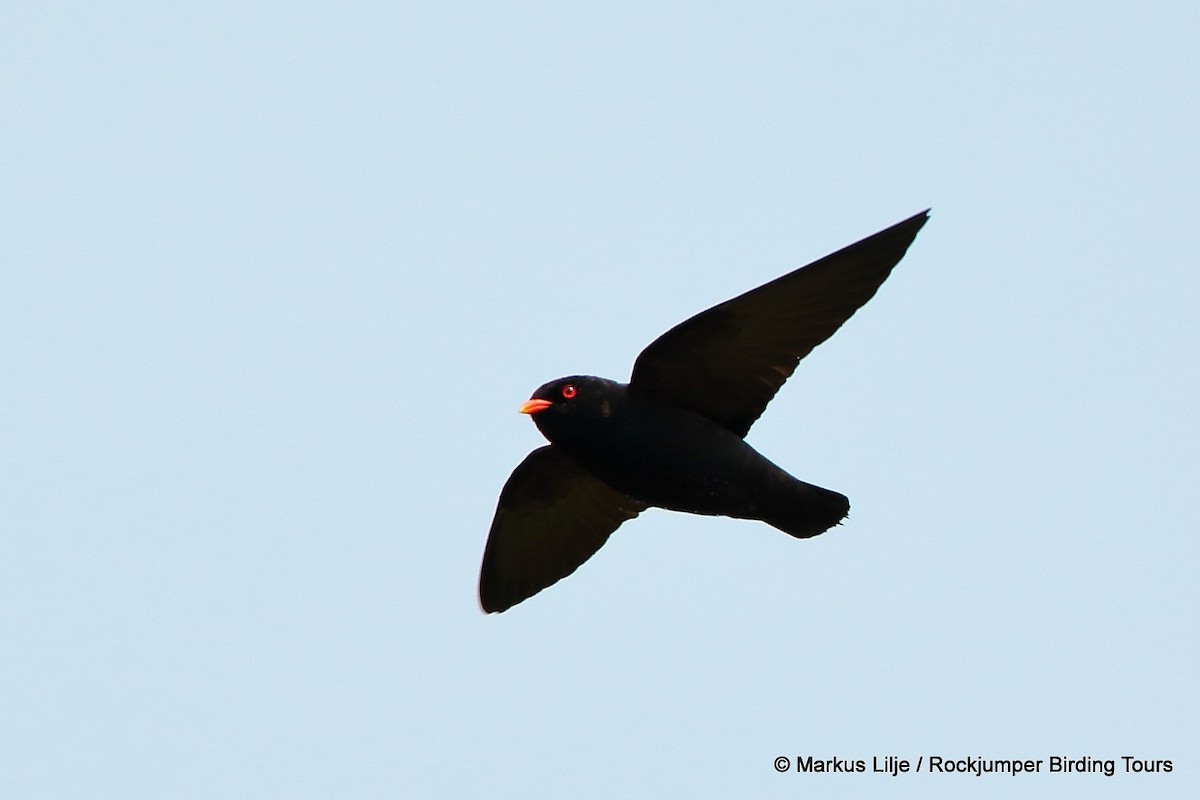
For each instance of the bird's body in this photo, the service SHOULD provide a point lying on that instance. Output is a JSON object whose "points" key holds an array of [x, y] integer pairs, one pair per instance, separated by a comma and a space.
{"points": [[674, 436], [672, 458]]}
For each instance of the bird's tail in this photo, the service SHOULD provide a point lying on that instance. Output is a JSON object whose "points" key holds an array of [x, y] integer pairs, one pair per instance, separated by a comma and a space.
{"points": [[808, 510]]}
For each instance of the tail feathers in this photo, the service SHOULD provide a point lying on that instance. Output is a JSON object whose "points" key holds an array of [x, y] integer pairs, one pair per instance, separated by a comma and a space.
{"points": [[809, 510]]}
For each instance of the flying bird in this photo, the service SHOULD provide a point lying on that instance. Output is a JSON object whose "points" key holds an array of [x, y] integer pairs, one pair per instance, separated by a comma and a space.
{"points": [[674, 436]]}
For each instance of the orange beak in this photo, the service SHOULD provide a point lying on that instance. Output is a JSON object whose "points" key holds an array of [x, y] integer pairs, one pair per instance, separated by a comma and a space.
{"points": [[534, 406]]}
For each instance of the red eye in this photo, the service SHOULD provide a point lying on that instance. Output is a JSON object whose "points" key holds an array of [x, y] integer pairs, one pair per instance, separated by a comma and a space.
{"points": [[568, 391]]}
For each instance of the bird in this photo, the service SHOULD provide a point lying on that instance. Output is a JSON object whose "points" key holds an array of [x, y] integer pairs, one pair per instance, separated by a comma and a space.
{"points": [[673, 437]]}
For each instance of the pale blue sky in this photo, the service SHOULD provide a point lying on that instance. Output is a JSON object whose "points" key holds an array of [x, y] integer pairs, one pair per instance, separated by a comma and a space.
{"points": [[276, 276]]}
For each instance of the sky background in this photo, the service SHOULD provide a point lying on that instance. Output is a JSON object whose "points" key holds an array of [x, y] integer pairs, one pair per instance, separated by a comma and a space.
{"points": [[274, 278]]}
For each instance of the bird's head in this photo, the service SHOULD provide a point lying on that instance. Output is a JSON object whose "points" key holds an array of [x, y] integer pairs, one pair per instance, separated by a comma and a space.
{"points": [[570, 406]]}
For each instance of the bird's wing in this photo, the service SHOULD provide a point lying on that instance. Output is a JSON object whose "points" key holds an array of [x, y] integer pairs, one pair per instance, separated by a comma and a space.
{"points": [[727, 363], [552, 516]]}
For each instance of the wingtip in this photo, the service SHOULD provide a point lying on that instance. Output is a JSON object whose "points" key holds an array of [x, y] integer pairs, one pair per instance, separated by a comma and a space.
{"points": [[492, 599], [913, 223], [492, 607]]}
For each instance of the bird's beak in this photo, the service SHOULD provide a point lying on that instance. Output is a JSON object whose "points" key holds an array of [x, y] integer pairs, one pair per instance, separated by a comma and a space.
{"points": [[534, 406]]}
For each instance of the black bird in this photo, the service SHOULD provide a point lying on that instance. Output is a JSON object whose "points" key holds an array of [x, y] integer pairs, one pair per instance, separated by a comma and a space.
{"points": [[673, 436]]}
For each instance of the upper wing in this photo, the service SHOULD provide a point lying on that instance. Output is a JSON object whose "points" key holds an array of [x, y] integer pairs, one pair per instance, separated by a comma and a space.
{"points": [[727, 363], [552, 516]]}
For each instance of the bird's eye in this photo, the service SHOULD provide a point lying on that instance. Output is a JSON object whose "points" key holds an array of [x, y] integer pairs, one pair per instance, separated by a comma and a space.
{"points": [[569, 391]]}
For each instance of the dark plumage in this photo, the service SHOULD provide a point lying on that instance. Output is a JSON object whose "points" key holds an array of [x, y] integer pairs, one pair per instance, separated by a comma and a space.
{"points": [[673, 436]]}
